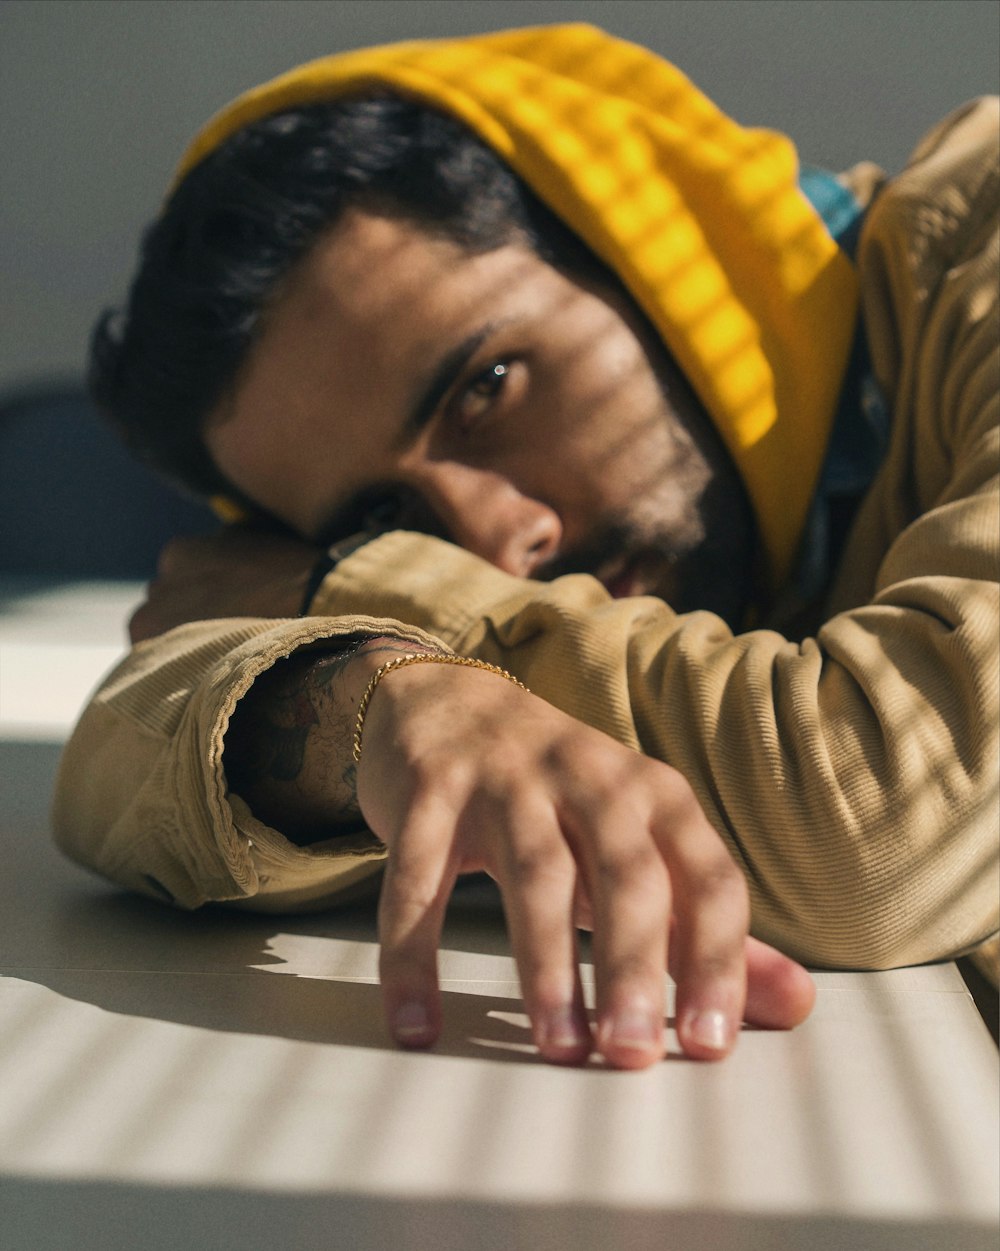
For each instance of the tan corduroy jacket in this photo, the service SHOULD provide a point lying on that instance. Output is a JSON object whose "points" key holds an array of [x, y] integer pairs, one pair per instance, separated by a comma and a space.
{"points": [[854, 775]]}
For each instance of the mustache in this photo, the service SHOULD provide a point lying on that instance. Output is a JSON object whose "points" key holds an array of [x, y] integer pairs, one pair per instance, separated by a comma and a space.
{"points": [[702, 577]]}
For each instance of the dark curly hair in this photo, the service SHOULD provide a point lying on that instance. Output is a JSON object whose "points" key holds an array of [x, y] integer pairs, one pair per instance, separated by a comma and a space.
{"points": [[243, 217]]}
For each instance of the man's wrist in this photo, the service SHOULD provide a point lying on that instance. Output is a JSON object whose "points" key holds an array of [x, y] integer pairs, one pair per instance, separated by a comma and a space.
{"points": [[371, 653], [288, 748]]}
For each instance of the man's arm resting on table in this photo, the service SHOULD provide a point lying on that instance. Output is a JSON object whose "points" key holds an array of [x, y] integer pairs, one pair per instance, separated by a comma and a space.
{"points": [[464, 772]]}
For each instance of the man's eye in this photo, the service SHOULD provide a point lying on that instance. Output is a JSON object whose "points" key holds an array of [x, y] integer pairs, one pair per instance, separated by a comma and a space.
{"points": [[475, 400]]}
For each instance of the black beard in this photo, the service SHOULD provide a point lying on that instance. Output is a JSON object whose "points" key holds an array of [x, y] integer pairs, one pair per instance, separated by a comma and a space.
{"points": [[609, 544], [716, 574]]}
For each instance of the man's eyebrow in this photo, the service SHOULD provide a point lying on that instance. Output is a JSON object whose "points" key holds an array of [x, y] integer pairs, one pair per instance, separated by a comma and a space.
{"points": [[441, 380], [422, 409]]}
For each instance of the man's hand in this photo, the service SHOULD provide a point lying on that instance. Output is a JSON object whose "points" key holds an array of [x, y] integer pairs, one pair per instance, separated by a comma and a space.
{"points": [[242, 571], [464, 772], [461, 772]]}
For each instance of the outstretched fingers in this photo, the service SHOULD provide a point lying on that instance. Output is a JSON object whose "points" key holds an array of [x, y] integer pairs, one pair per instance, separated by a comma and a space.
{"points": [[537, 877], [629, 900], [709, 934], [419, 877], [573, 827]]}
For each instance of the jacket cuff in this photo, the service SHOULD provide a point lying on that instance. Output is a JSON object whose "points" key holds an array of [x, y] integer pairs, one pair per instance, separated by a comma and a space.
{"points": [[424, 581]]}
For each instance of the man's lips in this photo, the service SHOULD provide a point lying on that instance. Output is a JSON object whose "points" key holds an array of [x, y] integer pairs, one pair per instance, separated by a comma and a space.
{"points": [[632, 576], [648, 572], [621, 583], [622, 567]]}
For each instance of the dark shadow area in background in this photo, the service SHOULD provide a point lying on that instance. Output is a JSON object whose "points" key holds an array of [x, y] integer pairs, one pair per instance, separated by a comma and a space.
{"points": [[73, 502], [60, 1215]]}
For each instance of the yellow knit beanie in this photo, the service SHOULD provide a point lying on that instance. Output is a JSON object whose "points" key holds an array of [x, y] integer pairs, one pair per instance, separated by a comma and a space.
{"points": [[702, 219]]}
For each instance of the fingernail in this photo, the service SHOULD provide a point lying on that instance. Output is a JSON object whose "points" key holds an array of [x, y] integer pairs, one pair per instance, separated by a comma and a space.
{"points": [[410, 1022], [634, 1029], [561, 1028], [709, 1029]]}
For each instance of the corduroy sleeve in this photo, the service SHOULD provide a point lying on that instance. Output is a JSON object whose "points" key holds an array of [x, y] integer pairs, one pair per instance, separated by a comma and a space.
{"points": [[142, 798]]}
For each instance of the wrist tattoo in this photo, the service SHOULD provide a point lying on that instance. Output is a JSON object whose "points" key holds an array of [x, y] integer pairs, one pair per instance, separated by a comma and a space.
{"points": [[295, 706]]}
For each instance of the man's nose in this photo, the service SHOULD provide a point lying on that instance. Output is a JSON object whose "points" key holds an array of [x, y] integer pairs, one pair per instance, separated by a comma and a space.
{"points": [[486, 513]]}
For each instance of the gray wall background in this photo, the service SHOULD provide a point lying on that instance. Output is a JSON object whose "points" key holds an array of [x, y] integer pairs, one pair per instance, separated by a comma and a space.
{"points": [[98, 98]]}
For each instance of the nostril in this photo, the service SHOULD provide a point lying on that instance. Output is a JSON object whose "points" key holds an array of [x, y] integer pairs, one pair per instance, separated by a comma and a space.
{"points": [[483, 511], [542, 546], [541, 550]]}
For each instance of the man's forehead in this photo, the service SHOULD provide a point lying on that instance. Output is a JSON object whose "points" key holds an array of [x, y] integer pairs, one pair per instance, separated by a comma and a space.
{"points": [[364, 259], [370, 265]]}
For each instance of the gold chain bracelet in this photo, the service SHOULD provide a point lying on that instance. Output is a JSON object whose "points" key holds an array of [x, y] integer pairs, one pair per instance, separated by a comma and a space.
{"points": [[417, 658]]}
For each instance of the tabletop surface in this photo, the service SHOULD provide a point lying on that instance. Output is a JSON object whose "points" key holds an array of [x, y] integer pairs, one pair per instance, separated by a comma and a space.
{"points": [[224, 1080]]}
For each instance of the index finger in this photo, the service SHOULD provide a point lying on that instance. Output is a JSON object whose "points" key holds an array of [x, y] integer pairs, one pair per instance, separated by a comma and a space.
{"points": [[418, 882]]}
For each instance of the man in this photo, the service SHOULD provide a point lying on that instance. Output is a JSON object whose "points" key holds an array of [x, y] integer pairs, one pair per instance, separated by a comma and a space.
{"points": [[581, 458]]}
